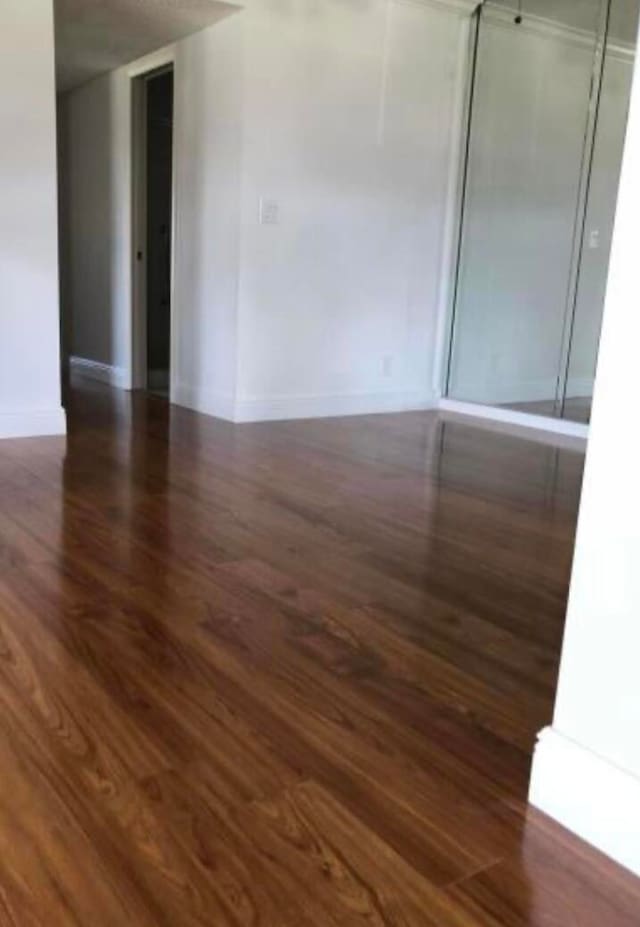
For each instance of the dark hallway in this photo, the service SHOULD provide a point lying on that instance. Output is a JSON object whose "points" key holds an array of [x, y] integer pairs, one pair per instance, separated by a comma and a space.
{"points": [[159, 226]]}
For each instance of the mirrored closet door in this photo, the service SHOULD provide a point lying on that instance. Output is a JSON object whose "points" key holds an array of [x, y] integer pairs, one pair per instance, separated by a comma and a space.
{"points": [[549, 96]]}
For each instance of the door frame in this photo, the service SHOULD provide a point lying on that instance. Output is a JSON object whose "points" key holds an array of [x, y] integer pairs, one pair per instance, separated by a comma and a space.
{"points": [[150, 67]]}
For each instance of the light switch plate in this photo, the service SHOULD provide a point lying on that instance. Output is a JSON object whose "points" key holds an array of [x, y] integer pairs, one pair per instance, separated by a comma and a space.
{"points": [[269, 211]]}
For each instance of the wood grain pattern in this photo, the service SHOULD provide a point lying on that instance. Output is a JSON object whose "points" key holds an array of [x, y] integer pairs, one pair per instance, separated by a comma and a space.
{"points": [[283, 674]]}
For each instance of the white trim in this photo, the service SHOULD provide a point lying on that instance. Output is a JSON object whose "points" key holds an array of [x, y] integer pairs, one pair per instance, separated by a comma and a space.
{"points": [[503, 16], [458, 7], [622, 52], [501, 392], [158, 59], [511, 417], [551, 28], [219, 405], [281, 408], [30, 424], [588, 795], [138, 168], [103, 373], [137, 73], [288, 408], [498, 393], [453, 209]]}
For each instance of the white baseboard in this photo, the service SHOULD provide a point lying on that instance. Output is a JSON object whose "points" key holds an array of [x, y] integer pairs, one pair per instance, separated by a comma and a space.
{"points": [[285, 408], [501, 392], [29, 424], [328, 406], [219, 405], [497, 394], [589, 796], [103, 373], [511, 417]]}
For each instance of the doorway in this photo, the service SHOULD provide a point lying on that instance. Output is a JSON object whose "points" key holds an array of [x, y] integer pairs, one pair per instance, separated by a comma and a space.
{"points": [[153, 207]]}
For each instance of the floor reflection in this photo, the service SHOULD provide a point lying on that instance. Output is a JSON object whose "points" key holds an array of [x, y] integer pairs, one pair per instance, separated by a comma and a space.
{"points": [[271, 668]]}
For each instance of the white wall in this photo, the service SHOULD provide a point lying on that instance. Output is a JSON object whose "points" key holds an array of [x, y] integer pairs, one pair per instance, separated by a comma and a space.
{"points": [[349, 121], [29, 321], [96, 122], [209, 110], [345, 115], [587, 767], [95, 125]]}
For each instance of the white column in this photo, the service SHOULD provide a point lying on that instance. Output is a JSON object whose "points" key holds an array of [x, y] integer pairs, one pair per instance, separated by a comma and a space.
{"points": [[29, 310], [586, 770]]}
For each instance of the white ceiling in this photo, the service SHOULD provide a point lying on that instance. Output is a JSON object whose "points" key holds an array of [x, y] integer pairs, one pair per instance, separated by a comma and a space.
{"points": [[96, 36]]}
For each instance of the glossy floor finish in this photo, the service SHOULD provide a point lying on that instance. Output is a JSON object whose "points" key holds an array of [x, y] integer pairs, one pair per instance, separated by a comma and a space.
{"points": [[283, 675]]}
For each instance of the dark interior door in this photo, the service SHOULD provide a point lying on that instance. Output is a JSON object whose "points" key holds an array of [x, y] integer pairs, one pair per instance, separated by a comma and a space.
{"points": [[159, 219]]}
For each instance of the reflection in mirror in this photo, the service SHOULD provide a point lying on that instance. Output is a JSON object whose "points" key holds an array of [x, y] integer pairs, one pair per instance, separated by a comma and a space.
{"points": [[604, 178], [540, 185]]}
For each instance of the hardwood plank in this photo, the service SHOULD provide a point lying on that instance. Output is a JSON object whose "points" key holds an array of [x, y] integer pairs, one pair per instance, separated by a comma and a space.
{"points": [[283, 674], [315, 844], [549, 878]]}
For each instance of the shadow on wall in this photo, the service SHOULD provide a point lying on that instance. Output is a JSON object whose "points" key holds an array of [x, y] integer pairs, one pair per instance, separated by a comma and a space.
{"points": [[64, 260], [94, 244]]}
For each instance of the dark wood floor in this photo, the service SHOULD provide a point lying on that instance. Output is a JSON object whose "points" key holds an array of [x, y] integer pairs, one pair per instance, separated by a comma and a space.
{"points": [[283, 675]]}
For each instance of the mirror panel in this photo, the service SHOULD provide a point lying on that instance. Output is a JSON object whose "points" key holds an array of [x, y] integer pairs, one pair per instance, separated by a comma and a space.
{"points": [[608, 146], [540, 185]]}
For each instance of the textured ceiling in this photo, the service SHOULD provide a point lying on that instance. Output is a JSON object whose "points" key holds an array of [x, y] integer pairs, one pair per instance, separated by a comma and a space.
{"points": [[96, 36]]}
